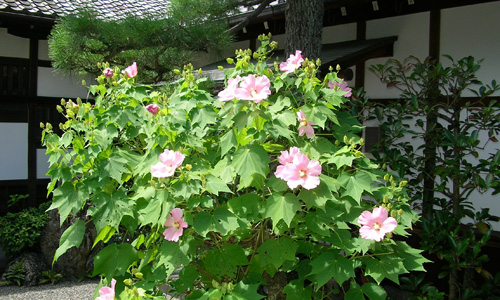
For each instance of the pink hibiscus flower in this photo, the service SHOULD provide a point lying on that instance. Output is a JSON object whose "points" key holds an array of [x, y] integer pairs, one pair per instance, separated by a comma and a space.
{"points": [[153, 108], [253, 88], [131, 70], [375, 225], [107, 293], [305, 126], [229, 93], [108, 72], [285, 158], [292, 63], [341, 86], [301, 171], [175, 225], [169, 161]]}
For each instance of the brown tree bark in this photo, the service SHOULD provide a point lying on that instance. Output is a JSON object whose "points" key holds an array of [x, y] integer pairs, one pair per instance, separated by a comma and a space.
{"points": [[304, 27]]}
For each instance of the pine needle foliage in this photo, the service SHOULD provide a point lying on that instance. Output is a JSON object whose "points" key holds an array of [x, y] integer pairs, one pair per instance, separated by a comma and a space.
{"points": [[158, 43]]}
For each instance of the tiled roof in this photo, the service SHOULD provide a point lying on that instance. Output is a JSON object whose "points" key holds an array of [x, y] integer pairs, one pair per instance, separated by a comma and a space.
{"points": [[112, 9]]}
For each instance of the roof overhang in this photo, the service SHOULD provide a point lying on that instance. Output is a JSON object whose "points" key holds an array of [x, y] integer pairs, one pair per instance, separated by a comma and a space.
{"points": [[344, 54]]}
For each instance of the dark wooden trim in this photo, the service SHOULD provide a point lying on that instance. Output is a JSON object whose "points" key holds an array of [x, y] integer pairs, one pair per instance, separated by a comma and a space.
{"points": [[475, 101], [435, 34], [359, 80]]}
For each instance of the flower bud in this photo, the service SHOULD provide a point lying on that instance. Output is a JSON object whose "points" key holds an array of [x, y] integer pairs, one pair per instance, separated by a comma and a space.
{"points": [[386, 177], [400, 212], [128, 282], [188, 167], [230, 60], [394, 213], [403, 183], [138, 275], [108, 72]]}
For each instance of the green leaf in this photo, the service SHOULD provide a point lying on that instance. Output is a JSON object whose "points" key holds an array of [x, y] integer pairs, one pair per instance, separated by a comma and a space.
{"points": [[114, 260], [373, 291], [225, 261], [243, 291], [249, 160], [227, 142], [72, 237], [316, 197], [245, 206], [173, 255], [204, 116], [356, 184], [216, 185], [276, 252], [68, 199], [330, 265], [281, 207], [109, 209], [387, 267], [295, 290], [104, 235], [412, 259], [187, 276], [354, 292], [221, 221]]}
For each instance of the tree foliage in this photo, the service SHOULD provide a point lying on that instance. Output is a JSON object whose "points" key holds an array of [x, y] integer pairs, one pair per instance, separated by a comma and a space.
{"points": [[159, 43]]}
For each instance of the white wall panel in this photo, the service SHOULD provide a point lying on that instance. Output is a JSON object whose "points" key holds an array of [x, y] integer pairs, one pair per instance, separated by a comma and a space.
{"points": [[13, 46], [412, 32], [473, 30], [56, 84], [13, 151], [42, 164]]}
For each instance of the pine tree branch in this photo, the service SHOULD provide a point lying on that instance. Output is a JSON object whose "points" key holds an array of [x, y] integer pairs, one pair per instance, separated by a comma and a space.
{"points": [[250, 17]]}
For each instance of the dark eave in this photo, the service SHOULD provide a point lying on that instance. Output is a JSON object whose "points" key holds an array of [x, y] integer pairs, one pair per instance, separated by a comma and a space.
{"points": [[354, 11]]}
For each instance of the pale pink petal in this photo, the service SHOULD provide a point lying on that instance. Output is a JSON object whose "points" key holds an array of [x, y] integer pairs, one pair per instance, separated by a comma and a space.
{"points": [[365, 218], [131, 70], [389, 224], [379, 214], [172, 234], [160, 170], [170, 221], [302, 130], [176, 214], [314, 168], [301, 116], [310, 182], [309, 131]]}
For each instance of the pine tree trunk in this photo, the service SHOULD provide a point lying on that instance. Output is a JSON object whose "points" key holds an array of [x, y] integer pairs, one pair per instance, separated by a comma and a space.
{"points": [[304, 27]]}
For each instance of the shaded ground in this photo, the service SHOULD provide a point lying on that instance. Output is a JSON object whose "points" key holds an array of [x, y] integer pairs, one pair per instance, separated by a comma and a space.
{"points": [[67, 290]]}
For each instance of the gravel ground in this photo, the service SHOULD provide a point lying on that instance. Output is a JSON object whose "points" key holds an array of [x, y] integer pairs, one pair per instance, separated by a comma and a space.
{"points": [[67, 290]]}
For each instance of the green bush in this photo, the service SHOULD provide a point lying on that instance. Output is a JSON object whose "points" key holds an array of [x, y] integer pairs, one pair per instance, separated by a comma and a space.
{"points": [[20, 231]]}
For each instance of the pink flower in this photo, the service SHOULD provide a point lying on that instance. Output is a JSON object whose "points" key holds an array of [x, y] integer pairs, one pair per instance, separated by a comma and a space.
{"points": [[292, 63], [229, 93], [107, 293], [285, 159], [301, 171], [305, 126], [108, 72], [175, 225], [375, 225], [341, 86], [131, 70], [169, 161], [152, 108], [253, 88]]}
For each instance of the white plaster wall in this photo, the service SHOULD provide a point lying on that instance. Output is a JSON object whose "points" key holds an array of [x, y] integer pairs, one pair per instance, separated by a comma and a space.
{"points": [[473, 30], [13, 46], [412, 32], [43, 50], [13, 151], [56, 84], [339, 33], [42, 164]]}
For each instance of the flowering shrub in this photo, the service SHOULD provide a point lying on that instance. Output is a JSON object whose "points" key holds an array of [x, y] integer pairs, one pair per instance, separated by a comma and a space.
{"points": [[244, 200]]}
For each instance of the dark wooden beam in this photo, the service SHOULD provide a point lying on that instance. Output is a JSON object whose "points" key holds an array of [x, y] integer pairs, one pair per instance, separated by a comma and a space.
{"points": [[359, 80], [435, 34], [32, 120]]}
